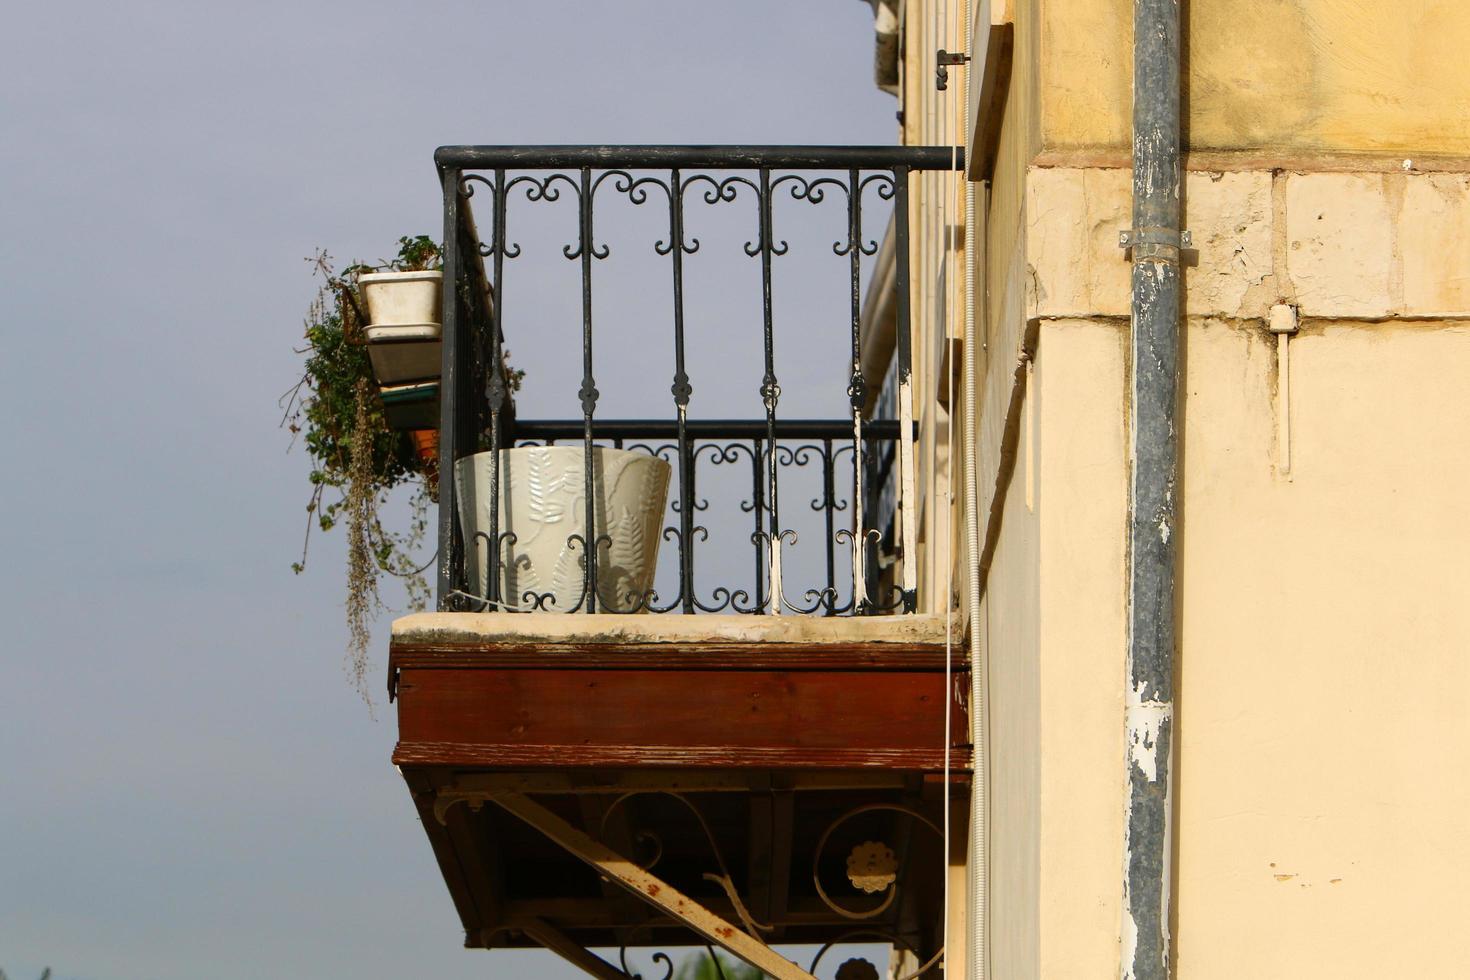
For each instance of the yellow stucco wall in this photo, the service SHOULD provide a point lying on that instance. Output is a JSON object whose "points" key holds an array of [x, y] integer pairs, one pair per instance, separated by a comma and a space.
{"points": [[1012, 622], [1323, 772], [1323, 767], [1279, 77], [1324, 698], [935, 207], [1080, 450]]}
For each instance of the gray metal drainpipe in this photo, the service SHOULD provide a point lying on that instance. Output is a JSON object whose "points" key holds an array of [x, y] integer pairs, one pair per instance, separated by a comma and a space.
{"points": [[1149, 699]]}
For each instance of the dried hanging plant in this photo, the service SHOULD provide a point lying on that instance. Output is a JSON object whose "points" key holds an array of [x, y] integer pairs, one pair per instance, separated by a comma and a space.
{"points": [[356, 459], [363, 599]]}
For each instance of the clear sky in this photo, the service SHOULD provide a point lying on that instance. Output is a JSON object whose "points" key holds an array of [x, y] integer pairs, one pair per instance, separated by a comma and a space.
{"points": [[189, 788]]}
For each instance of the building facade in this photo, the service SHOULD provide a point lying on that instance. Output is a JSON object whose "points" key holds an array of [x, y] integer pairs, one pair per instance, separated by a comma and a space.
{"points": [[1322, 739]]}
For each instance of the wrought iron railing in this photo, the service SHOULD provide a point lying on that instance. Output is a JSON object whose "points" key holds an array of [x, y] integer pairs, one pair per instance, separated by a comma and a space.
{"points": [[866, 569]]}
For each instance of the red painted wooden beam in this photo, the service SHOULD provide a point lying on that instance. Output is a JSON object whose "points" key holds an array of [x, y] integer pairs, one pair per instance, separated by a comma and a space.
{"points": [[518, 717]]}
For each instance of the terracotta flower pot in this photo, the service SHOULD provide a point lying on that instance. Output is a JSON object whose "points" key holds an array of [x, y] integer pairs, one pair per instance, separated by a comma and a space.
{"points": [[426, 445]]}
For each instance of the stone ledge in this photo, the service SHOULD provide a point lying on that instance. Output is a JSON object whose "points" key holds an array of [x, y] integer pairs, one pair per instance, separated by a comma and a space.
{"points": [[479, 629]]}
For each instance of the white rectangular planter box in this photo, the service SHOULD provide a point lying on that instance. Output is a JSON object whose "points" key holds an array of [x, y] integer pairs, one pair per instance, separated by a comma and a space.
{"points": [[401, 298], [404, 354]]}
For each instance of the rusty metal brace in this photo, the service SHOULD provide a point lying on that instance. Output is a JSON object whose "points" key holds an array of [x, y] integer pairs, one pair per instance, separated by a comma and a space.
{"points": [[629, 876]]}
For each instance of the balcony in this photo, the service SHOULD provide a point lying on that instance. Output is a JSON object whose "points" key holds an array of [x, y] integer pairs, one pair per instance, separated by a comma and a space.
{"points": [[686, 659]]}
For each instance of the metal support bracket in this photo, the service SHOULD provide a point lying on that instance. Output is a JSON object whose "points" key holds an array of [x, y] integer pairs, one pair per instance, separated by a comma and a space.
{"points": [[1155, 244], [942, 60], [629, 876], [569, 949]]}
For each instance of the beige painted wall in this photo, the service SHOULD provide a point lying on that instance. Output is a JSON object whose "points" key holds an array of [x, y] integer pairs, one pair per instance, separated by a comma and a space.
{"points": [[935, 210], [1324, 703], [1278, 77], [1012, 619], [1081, 450]]}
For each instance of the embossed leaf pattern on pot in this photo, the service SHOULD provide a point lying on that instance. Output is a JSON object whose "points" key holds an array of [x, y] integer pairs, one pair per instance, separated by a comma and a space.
{"points": [[543, 525]]}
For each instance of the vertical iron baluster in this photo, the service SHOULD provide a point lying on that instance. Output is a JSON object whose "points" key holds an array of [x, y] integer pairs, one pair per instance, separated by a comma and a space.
{"points": [[681, 390], [758, 497], [875, 472], [857, 388], [497, 391], [477, 354], [474, 331], [770, 391], [907, 501], [829, 503], [588, 392], [451, 563]]}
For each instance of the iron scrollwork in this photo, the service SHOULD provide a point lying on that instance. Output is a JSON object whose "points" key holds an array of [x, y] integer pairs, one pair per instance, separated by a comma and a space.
{"points": [[723, 878], [891, 891], [853, 579]]}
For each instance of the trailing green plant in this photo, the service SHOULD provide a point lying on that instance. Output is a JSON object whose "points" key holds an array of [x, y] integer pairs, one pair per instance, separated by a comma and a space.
{"points": [[714, 966], [418, 254], [357, 460]]}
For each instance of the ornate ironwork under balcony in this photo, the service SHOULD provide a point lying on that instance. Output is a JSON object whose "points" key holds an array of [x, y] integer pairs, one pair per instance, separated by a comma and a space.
{"points": [[776, 774]]}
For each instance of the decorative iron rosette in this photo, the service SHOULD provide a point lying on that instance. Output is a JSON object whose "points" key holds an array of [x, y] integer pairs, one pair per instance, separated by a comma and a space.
{"points": [[872, 866], [857, 969]]}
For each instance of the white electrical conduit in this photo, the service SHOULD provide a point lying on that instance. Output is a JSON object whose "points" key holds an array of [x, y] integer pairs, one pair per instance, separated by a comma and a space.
{"points": [[978, 960], [946, 244]]}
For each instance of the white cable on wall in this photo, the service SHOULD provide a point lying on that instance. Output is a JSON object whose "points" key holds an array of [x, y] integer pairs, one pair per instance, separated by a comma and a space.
{"points": [[947, 544], [978, 890]]}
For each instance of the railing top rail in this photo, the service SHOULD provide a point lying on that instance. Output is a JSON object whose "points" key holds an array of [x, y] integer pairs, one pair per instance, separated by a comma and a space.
{"points": [[707, 157], [703, 429]]}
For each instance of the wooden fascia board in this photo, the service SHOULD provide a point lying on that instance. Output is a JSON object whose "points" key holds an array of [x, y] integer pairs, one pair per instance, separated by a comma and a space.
{"points": [[991, 41]]}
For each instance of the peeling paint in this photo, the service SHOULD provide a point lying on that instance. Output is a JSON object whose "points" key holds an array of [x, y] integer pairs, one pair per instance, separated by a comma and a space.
{"points": [[1144, 721]]}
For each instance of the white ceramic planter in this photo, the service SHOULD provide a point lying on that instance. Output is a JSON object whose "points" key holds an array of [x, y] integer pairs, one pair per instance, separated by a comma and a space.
{"points": [[404, 354], [401, 298], [542, 503]]}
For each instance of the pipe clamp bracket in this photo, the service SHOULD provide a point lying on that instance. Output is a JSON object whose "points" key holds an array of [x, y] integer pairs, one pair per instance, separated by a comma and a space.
{"points": [[1155, 244]]}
